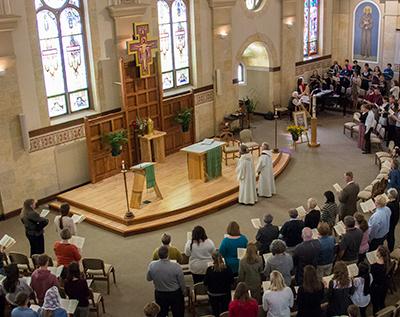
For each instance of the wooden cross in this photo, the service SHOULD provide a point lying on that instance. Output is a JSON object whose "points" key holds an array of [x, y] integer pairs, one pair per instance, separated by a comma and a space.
{"points": [[141, 46]]}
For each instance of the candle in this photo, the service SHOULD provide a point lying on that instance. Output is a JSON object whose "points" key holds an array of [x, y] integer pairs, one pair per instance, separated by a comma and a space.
{"points": [[123, 165]]}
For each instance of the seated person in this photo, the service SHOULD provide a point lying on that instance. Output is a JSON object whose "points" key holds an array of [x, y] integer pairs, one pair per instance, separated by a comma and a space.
{"points": [[65, 251], [335, 68], [173, 253], [13, 284], [315, 80]]}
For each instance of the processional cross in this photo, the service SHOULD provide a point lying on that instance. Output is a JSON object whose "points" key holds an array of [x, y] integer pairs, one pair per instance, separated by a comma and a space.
{"points": [[141, 46]]}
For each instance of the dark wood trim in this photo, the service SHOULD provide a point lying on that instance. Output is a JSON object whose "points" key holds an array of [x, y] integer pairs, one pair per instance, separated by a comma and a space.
{"points": [[201, 89], [235, 81], [178, 94], [274, 69], [64, 125], [313, 60]]}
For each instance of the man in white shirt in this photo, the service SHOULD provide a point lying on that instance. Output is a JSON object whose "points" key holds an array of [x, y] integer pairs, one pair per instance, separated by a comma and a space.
{"points": [[369, 126]]}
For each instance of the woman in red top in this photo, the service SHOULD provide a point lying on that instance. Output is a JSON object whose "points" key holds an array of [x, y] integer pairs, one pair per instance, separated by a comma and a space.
{"points": [[65, 251], [242, 305]]}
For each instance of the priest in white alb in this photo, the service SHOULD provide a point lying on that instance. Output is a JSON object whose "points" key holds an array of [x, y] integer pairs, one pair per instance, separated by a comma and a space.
{"points": [[246, 177], [266, 180]]}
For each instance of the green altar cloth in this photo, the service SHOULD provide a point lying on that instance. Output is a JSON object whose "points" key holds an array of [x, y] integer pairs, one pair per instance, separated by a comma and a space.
{"points": [[214, 157], [150, 176]]}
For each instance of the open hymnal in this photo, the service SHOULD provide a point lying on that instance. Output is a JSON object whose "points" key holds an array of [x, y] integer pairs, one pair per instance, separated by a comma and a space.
{"points": [[78, 218], [387, 164], [301, 211], [2, 278], [266, 285], [226, 235], [69, 305], [371, 257], [315, 234], [56, 270], [207, 141], [34, 307], [89, 282], [340, 228], [326, 280], [353, 270], [256, 223], [391, 112], [337, 187], [368, 206], [266, 256], [78, 241], [44, 213], [241, 252], [296, 289], [7, 241], [27, 279], [188, 235]]}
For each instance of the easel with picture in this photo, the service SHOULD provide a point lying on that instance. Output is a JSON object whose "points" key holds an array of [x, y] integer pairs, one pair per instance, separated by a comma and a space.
{"points": [[300, 119]]}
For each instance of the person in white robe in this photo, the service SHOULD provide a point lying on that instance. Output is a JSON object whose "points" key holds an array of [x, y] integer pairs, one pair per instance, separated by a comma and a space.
{"points": [[266, 180], [246, 177]]}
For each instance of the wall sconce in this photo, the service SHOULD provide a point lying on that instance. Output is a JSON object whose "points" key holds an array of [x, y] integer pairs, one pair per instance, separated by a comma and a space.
{"points": [[289, 21], [223, 31], [5, 63], [2, 72]]}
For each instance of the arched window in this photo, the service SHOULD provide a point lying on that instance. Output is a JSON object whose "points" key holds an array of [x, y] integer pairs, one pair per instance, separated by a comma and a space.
{"points": [[60, 26], [240, 73], [253, 4], [174, 43], [311, 27]]}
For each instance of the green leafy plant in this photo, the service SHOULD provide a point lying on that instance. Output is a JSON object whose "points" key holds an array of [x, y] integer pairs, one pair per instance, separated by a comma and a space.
{"points": [[250, 104], [116, 140], [184, 117]]}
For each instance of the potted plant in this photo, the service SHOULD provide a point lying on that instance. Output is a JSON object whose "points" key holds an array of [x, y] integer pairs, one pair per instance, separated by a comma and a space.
{"points": [[184, 117], [295, 131], [249, 104], [116, 140]]}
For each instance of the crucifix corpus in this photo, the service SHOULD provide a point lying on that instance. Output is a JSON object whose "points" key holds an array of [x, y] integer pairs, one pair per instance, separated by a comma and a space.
{"points": [[142, 46]]}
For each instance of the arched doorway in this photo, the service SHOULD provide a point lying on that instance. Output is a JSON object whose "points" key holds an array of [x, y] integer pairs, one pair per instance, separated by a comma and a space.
{"points": [[254, 76]]}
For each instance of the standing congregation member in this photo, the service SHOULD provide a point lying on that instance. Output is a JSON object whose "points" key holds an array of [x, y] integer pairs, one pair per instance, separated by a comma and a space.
{"points": [[369, 126], [310, 294], [218, 280], [66, 252], [246, 177], [394, 176], [169, 284], [362, 282], [355, 88], [313, 216], [329, 210], [393, 205], [13, 284], [348, 197], [327, 250], [305, 253], [395, 90], [199, 251], [173, 253], [76, 287], [278, 299], [64, 221], [291, 230], [349, 246], [266, 182], [230, 244], [52, 304], [242, 305], [362, 224], [279, 261], [22, 309], [250, 269], [379, 286], [265, 235], [379, 223], [34, 225], [361, 126]]}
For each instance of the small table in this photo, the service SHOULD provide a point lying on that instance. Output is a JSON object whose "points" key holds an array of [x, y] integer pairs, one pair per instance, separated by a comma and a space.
{"points": [[157, 140], [196, 159]]}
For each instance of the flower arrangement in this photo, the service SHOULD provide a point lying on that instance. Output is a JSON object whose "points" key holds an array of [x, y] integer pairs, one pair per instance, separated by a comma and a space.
{"points": [[140, 125], [295, 131]]}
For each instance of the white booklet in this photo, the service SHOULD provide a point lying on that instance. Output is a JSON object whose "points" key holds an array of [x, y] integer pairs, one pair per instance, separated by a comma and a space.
{"points": [[353, 270], [315, 234], [326, 280], [188, 235], [35, 307], [78, 241], [337, 187], [391, 112], [301, 211], [69, 305], [241, 252], [44, 213], [266, 285], [89, 282], [7, 241], [2, 278], [387, 165], [266, 256], [368, 206], [78, 218], [340, 228], [207, 141], [256, 223], [371, 257], [56, 270]]}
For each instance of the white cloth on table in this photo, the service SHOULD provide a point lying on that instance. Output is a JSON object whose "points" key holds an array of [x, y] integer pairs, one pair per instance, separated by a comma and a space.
{"points": [[266, 181], [247, 179]]}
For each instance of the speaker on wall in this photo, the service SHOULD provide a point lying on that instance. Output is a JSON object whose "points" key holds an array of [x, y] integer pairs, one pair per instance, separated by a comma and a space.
{"points": [[24, 132]]}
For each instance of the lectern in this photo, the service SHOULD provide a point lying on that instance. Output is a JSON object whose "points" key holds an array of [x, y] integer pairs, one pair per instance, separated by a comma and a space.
{"points": [[143, 172]]}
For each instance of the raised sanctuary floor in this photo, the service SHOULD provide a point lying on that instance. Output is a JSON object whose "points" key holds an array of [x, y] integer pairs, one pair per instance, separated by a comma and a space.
{"points": [[104, 203]]}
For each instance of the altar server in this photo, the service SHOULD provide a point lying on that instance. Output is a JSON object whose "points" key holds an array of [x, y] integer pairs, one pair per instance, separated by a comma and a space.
{"points": [[266, 181], [246, 177]]}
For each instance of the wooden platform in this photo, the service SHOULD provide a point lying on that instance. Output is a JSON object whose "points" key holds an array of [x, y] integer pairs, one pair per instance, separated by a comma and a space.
{"points": [[104, 203]]}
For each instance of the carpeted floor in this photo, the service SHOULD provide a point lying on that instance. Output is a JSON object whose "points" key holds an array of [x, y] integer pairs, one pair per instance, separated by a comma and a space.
{"points": [[309, 173]]}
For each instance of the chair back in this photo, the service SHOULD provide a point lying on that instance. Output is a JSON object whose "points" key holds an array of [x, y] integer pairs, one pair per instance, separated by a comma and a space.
{"points": [[18, 258], [245, 136], [386, 312], [185, 258], [199, 289], [356, 116], [224, 314], [376, 186], [93, 264]]}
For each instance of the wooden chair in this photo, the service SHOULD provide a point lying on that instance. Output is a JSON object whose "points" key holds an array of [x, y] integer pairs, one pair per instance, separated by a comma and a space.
{"points": [[96, 269], [386, 312], [246, 138], [350, 125], [199, 295], [185, 264], [224, 314], [388, 153], [96, 299], [231, 146], [22, 262]]}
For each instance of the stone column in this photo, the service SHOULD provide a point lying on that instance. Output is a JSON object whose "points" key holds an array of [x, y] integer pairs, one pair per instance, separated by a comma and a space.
{"points": [[341, 48], [225, 99], [388, 46]]}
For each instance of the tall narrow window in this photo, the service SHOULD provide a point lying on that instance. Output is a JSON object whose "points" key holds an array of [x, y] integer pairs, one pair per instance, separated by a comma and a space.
{"points": [[174, 43], [311, 27], [60, 26], [240, 73]]}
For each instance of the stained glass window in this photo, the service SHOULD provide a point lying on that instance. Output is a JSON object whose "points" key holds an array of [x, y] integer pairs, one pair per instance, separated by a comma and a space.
{"points": [[174, 43], [253, 4], [311, 27], [62, 45]]}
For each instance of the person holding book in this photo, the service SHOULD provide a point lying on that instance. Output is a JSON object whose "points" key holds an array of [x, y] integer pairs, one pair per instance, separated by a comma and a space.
{"points": [[22, 309], [310, 294], [265, 235], [242, 304], [313, 216], [379, 223], [151, 309], [42, 278], [348, 196], [362, 224], [77, 288], [362, 282], [394, 176], [173, 253], [278, 299], [349, 246], [13, 284], [379, 286], [329, 210], [279, 261], [66, 252], [52, 304], [64, 221], [34, 226], [327, 250], [291, 231], [393, 205]]}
